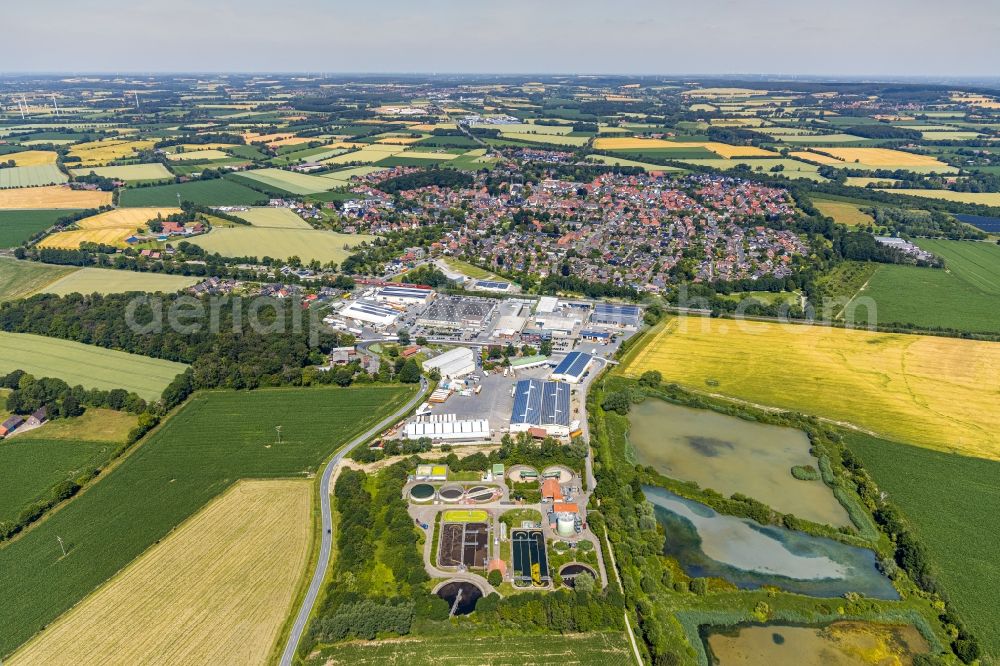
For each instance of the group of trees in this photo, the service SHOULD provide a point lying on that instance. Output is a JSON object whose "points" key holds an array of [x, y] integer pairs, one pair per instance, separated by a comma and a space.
{"points": [[433, 176], [28, 394], [933, 224]]}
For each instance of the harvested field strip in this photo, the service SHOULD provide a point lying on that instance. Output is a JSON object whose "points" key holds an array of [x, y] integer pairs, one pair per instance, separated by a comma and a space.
{"points": [[56, 196], [89, 365], [933, 391], [307, 244], [280, 218], [110, 228], [217, 590], [983, 198], [131, 172], [32, 157], [20, 279], [108, 281], [882, 157], [31, 176]]}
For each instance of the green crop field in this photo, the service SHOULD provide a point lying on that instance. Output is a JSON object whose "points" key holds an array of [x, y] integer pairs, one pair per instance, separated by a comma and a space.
{"points": [[278, 218], [621, 161], [597, 649], [20, 279], [976, 263], [927, 298], [216, 192], [17, 226], [108, 281], [31, 176], [306, 244], [953, 503], [89, 365], [790, 168], [30, 468], [214, 440], [842, 212], [128, 173]]}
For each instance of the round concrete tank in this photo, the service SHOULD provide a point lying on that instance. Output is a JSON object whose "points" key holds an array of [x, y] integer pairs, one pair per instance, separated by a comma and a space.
{"points": [[566, 525]]}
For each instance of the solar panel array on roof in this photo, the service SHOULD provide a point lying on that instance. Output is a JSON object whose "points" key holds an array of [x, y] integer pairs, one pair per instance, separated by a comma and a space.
{"points": [[404, 292], [573, 365], [539, 403], [492, 284], [613, 313], [372, 308]]}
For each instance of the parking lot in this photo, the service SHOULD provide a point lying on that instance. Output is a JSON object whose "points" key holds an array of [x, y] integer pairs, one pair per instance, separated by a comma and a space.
{"points": [[494, 401]]}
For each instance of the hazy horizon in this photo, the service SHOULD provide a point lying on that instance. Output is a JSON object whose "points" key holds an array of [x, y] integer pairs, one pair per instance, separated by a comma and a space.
{"points": [[894, 39]]}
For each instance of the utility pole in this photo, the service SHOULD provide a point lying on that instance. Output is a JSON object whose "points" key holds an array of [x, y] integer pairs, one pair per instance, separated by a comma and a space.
{"points": [[278, 428], [61, 546]]}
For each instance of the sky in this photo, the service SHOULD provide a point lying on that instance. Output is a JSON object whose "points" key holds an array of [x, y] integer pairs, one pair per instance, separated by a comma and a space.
{"points": [[801, 37]]}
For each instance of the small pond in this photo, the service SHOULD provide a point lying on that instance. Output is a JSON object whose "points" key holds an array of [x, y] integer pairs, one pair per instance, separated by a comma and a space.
{"points": [[750, 555], [731, 455], [470, 596]]}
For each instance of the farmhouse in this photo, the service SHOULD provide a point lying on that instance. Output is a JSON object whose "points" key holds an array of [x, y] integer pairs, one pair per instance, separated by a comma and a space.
{"points": [[10, 425], [572, 368], [38, 417], [539, 404], [453, 363]]}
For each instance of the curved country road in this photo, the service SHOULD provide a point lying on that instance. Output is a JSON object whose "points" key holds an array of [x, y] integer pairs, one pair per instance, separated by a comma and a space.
{"points": [[323, 561]]}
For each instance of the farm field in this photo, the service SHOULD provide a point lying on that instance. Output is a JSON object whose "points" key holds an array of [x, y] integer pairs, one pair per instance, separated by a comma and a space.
{"points": [[886, 158], [953, 503], [619, 161], [96, 153], [928, 298], [95, 425], [52, 197], [89, 365], [723, 150], [108, 281], [110, 228], [278, 218], [976, 263], [843, 212], [30, 468], [790, 168], [207, 154], [216, 590], [307, 244], [198, 453], [289, 181], [932, 391], [216, 192], [471, 270], [984, 198], [128, 173], [31, 176], [20, 279], [558, 139], [20, 225], [595, 649], [33, 157]]}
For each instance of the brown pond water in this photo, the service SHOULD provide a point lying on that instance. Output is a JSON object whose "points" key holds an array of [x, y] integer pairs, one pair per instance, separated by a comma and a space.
{"points": [[730, 455], [838, 644]]}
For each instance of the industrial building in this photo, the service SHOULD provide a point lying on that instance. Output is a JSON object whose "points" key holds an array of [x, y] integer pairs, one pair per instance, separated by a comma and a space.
{"points": [[602, 337], [453, 363], [572, 368], [539, 404], [405, 296], [508, 326], [447, 427], [457, 312], [546, 304], [613, 314], [370, 312]]}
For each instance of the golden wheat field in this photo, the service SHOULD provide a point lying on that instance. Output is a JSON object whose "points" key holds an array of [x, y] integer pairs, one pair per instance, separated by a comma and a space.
{"points": [[722, 149], [882, 157], [95, 153], [936, 392], [52, 197], [110, 228], [32, 157], [818, 158], [215, 591]]}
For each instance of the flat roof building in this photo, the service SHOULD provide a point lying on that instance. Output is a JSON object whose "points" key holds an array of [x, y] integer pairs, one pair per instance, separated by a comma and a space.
{"points": [[572, 368], [457, 312], [508, 326], [370, 312], [539, 404], [546, 304], [404, 295], [447, 427], [492, 285], [456, 362], [614, 314]]}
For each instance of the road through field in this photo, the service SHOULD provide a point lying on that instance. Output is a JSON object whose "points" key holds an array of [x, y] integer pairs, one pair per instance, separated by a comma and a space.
{"points": [[323, 561]]}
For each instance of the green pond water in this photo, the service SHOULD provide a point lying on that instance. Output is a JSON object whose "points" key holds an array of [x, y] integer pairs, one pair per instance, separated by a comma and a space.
{"points": [[750, 555], [730, 455], [837, 644]]}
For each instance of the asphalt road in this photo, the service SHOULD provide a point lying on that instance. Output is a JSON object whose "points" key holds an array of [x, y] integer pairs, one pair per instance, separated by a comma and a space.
{"points": [[323, 562]]}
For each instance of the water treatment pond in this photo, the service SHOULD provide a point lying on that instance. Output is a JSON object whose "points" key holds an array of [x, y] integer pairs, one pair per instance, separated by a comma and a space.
{"points": [[731, 455], [750, 555], [837, 644], [470, 596]]}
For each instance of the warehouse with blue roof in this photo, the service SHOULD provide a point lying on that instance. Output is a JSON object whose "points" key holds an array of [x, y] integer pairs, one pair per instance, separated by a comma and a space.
{"points": [[572, 368], [613, 314], [539, 404]]}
